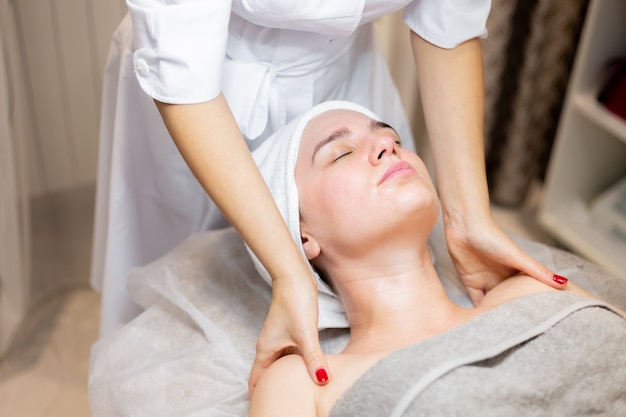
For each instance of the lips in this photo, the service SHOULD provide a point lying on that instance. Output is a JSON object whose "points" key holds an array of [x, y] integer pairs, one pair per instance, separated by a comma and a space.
{"points": [[397, 169]]}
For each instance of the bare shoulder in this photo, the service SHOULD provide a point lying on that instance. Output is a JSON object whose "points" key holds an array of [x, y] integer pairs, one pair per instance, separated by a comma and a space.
{"points": [[521, 285], [285, 389]]}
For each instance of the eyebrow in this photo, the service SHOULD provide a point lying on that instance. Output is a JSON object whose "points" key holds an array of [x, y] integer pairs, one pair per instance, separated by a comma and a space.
{"points": [[343, 132]]}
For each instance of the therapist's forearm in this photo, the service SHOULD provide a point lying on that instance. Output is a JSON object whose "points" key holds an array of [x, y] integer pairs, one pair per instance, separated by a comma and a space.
{"points": [[209, 140], [452, 91]]}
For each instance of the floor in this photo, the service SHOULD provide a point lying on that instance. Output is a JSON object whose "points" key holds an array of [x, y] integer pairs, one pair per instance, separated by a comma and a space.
{"points": [[44, 374]]}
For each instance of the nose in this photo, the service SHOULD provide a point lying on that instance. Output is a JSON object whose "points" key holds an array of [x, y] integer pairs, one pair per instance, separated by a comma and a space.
{"points": [[382, 146]]}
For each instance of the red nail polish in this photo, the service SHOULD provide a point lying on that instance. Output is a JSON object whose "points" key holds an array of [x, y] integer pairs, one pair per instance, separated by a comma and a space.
{"points": [[559, 279], [321, 375]]}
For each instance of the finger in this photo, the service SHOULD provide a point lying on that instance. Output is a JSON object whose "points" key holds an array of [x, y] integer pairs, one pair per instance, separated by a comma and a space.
{"points": [[255, 376], [476, 295], [540, 272], [260, 365], [315, 361], [266, 355]]}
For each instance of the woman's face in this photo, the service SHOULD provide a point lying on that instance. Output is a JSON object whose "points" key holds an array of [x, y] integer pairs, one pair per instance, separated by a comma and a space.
{"points": [[357, 185]]}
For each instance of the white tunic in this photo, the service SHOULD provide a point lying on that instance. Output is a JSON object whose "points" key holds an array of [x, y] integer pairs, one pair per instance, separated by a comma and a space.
{"points": [[272, 59]]}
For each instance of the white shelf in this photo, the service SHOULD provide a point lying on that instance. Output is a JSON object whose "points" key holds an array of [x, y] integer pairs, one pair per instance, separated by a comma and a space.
{"points": [[571, 223], [587, 104], [589, 153]]}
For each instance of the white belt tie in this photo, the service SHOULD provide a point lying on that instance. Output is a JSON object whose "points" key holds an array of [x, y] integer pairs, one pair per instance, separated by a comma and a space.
{"points": [[250, 89]]}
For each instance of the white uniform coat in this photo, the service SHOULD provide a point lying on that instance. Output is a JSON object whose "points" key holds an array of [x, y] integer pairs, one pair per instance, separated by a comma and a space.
{"points": [[272, 59]]}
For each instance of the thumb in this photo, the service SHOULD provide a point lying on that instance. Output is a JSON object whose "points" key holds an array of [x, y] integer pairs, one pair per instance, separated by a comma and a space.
{"points": [[315, 361]]}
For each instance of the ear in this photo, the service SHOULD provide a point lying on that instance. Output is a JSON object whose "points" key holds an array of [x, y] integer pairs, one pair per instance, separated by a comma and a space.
{"points": [[311, 246]]}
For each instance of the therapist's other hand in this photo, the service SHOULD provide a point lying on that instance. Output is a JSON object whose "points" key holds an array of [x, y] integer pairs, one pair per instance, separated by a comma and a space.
{"points": [[291, 327], [484, 256]]}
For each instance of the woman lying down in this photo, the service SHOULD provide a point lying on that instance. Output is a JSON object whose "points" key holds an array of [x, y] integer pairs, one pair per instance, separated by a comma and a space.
{"points": [[366, 209]]}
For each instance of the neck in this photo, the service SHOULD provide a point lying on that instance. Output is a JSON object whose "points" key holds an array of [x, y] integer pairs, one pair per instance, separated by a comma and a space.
{"points": [[395, 303]]}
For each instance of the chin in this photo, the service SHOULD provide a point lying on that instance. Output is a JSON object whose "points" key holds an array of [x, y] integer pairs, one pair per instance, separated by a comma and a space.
{"points": [[423, 200]]}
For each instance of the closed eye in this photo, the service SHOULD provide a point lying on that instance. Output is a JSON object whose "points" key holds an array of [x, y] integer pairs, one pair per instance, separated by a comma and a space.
{"points": [[342, 156]]}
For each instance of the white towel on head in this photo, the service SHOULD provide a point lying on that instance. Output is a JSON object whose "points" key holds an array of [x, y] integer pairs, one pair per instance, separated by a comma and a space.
{"points": [[276, 159]]}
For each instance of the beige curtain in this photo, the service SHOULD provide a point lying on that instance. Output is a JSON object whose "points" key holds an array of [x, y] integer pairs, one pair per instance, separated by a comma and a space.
{"points": [[528, 57], [14, 198]]}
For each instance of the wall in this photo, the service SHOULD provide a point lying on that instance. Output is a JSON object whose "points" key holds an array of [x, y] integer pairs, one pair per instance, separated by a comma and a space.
{"points": [[63, 46]]}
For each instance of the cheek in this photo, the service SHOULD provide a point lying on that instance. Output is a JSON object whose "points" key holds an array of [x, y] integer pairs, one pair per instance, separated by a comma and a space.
{"points": [[416, 162], [331, 203]]}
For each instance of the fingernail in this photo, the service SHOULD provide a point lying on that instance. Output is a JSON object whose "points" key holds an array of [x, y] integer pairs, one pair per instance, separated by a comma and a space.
{"points": [[321, 375], [559, 279]]}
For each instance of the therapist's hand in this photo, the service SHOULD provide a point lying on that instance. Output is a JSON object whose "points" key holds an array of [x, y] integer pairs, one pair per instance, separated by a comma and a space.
{"points": [[451, 88], [291, 327], [485, 256]]}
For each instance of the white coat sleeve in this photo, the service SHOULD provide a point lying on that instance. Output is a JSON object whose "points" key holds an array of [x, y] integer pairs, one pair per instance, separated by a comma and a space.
{"points": [[448, 23], [180, 47]]}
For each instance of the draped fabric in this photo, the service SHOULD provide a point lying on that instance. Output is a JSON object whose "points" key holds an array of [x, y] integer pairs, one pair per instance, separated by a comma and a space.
{"points": [[527, 59], [14, 201]]}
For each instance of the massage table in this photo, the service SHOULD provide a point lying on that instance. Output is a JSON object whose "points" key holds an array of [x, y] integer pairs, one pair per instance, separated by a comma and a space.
{"points": [[189, 353]]}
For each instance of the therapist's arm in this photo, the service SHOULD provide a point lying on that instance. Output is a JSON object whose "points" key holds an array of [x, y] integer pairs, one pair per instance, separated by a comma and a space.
{"points": [[452, 91], [209, 140]]}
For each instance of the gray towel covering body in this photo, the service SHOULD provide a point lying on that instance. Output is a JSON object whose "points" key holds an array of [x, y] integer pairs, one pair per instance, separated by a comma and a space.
{"points": [[548, 354]]}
